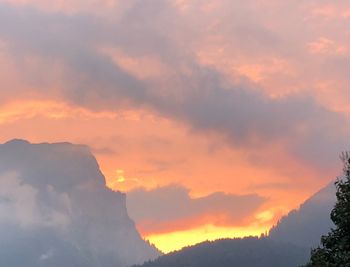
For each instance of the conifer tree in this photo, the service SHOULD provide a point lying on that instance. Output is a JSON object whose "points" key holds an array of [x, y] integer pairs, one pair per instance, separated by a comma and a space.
{"points": [[335, 247]]}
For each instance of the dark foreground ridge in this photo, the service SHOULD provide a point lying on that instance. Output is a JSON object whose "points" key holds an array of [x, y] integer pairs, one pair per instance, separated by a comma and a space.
{"points": [[55, 210], [251, 251]]}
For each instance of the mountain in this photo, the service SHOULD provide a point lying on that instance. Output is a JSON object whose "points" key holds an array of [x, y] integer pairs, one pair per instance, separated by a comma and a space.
{"points": [[247, 252], [288, 243], [55, 210], [306, 225]]}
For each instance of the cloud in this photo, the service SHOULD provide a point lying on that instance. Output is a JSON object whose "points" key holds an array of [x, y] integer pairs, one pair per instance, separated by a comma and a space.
{"points": [[171, 208], [197, 94], [49, 254], [72, 7], [326, 46], [48, 109], [22, 206]]}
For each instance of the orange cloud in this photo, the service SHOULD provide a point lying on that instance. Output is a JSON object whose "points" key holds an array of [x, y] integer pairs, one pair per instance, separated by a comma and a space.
{"points": [[20, 110], [222, 96], [331, 11], [326, 46]]}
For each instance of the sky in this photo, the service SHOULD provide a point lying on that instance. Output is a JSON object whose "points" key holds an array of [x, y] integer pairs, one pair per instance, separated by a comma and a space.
{"points": [[215, 117]]}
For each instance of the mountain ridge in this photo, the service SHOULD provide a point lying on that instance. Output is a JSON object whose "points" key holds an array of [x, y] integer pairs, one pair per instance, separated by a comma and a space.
{"points": [[239, 252], [305, 226]]}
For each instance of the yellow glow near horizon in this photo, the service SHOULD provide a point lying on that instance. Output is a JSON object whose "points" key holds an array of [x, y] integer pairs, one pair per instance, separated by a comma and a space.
{"points": [[169, 242]]}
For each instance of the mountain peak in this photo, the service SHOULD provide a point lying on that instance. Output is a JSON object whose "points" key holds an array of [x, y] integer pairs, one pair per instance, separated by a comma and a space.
{"points": [[305, 225], [17, 142], [54, 196]]}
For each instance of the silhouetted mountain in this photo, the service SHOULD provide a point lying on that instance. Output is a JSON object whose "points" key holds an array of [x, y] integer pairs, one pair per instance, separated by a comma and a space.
{"points": [[56, 211], [305, 226], [288, 243], [247, 252]]}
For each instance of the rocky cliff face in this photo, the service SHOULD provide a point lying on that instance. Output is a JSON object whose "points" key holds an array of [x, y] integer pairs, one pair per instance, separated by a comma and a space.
{"points": [[55, 210]]}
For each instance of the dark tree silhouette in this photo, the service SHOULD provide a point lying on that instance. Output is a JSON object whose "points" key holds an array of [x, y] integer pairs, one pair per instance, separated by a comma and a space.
{"points": [[335, 247], [249, 251]]}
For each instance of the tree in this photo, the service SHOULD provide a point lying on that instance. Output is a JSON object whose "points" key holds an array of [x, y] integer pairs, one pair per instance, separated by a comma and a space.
{"points": [[335, 247]]}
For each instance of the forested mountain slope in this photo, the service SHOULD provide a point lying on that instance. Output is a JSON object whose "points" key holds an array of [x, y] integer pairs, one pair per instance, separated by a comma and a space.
{"points": [[247, 252]]}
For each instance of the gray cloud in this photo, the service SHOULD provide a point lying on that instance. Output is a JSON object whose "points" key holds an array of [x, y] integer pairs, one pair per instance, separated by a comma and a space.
{"points": [[170, 206], [21, 204], [103, 151], [195, 94]]}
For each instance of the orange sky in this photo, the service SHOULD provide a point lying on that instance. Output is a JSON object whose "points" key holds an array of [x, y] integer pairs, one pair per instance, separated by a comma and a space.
{"points": [[212, 101]]}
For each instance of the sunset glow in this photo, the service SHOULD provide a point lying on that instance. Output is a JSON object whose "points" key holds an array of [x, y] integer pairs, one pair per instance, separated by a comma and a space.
{"points": [[177, 240], [215, 118]]}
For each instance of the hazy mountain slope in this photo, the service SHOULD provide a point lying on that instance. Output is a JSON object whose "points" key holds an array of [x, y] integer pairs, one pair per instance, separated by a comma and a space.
{"points": [[247, 252], [288, 244], [55, 210], [306, 225]]}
